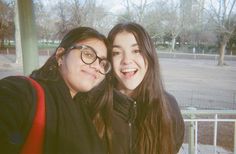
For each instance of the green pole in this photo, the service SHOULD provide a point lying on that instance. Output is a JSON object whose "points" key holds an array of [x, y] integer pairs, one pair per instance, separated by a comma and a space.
{"points": [[28, 35], [191, 141]]}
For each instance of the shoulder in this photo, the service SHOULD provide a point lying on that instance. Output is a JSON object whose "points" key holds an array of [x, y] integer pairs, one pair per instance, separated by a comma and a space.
{"points": [[177, 119], [16, 102], [15, 83], [15, 88], [173, 107], [172, 101]]}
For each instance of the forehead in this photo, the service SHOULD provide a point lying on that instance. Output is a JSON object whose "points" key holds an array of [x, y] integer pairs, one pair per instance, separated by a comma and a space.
{"points": [[98, 45], [124, 39]]}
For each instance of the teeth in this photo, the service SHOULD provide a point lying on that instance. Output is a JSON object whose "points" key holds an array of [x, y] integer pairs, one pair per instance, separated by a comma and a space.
{"points": [[128, 70]]}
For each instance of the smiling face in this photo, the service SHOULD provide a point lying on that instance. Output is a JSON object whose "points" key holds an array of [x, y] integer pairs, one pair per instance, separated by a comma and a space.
{"points": [[79, 76], [128, 62]]}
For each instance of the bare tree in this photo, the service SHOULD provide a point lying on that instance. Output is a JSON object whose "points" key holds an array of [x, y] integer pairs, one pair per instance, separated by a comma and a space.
{"points": [[140, 10], [76, 12], [134, 11], [167, 17], [6, 21], [45, 21], [63, 18], [175, 22], [221, 15]]}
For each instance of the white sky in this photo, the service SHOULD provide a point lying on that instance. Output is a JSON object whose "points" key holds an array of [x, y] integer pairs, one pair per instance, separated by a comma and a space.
{"points": [[115, 6], [112, 5]]}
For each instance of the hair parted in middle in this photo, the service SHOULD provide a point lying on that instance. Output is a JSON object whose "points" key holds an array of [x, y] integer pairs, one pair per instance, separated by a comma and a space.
{"points": [[153, 120]]}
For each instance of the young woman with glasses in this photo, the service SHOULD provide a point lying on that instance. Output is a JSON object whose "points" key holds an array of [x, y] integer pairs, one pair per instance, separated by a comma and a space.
{"points": [[77, 97]]}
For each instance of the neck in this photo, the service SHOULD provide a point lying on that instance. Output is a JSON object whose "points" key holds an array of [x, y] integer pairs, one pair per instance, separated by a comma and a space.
{"points": [[125, 91]]}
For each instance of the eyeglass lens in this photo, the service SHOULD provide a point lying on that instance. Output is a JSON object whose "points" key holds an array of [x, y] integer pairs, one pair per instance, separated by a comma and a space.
{"points": [[89, 56]]}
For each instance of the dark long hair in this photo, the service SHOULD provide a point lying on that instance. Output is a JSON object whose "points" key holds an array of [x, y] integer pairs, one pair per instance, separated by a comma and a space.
{"points": [[153, 120], [101, 105]]}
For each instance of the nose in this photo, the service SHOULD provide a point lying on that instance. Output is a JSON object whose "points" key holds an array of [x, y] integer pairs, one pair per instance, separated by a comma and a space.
{"points": [[95, 65], [127, 58]]}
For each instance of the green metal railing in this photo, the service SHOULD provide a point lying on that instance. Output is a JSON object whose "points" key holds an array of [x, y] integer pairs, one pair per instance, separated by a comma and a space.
{"points": [[191, 115]]}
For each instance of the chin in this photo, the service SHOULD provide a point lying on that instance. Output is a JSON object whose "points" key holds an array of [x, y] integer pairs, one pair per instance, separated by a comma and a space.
{"points": [[87, 86], [85, 89], [131, 87]]}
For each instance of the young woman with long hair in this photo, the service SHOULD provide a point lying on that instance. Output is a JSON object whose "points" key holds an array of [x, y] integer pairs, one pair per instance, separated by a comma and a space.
{"points": [[146, 118]]}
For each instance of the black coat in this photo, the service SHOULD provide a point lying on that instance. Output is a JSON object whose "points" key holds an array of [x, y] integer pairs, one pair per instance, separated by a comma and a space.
{"points": [[124, 130], [69, 128]]}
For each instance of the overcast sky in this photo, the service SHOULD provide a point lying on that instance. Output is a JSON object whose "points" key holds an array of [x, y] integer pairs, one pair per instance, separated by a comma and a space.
{"points": [[115, 6]]}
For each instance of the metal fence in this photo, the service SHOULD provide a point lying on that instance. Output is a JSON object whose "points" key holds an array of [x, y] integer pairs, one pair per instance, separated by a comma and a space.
{"points": [[193, 117]]}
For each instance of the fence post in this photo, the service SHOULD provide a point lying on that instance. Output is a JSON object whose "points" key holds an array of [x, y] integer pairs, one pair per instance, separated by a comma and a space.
{"points": [[191, 132], [215, 133]]}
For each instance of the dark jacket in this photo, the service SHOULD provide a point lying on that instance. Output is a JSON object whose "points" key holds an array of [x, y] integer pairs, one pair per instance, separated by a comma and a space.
{"points": [[69, 128], [124, 130]]}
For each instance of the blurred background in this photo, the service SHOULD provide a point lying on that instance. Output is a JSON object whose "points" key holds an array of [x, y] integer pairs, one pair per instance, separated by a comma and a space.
{"points": [[195, 41], [196, 26]]}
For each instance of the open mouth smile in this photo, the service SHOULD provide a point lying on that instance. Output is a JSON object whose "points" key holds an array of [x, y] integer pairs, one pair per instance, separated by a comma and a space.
{"points": [[129, 72]]}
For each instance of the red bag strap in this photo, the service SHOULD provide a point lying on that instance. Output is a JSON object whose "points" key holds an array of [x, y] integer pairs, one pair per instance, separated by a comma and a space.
{"points": [[34, 141]]}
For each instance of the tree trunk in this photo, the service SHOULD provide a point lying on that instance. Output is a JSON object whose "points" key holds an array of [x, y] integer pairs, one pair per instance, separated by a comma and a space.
{"points": [[2, 42], [173, 44], [221, 54]]}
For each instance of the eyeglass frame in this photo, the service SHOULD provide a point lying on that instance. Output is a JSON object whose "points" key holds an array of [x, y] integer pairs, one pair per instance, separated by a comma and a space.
{"points": [[99, 58]]}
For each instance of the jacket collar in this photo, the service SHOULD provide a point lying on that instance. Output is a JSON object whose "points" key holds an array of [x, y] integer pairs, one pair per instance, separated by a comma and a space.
{"points": [[124, 106]]}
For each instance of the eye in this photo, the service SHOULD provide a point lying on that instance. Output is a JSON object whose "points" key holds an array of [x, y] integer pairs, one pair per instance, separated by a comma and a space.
{"points": [[115, 53], [137, 51], [88, 54]]}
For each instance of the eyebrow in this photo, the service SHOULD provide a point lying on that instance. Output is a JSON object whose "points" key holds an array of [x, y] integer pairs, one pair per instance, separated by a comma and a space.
{"points": [[117, 46], [134, 45]]}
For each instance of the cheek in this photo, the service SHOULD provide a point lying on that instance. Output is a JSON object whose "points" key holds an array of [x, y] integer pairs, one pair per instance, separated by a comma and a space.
{"points": [[101, 79], [116, 61], [142, 61], [75, 63], [115, 65]]}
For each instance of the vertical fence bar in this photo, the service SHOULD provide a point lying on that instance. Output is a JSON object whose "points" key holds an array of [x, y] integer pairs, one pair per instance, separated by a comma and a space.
{"points": [[191, 133], [215, 133], [191, 137], [196, 136]]}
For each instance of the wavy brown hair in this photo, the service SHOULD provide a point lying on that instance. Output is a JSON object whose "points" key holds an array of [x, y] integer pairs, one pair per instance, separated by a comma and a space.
{"points": [[153, 120], [101, 105]]}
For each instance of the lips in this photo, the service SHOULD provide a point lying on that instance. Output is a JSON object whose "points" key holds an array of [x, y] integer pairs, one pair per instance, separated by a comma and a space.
{"points": [[90, 73], [128, 72]]}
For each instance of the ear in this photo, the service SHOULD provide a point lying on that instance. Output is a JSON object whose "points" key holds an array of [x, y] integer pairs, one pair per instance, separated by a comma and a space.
{"points": [[59, 54]]}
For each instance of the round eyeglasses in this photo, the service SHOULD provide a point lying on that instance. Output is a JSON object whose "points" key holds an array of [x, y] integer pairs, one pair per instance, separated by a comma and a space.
{"points": [[89, 56]]}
